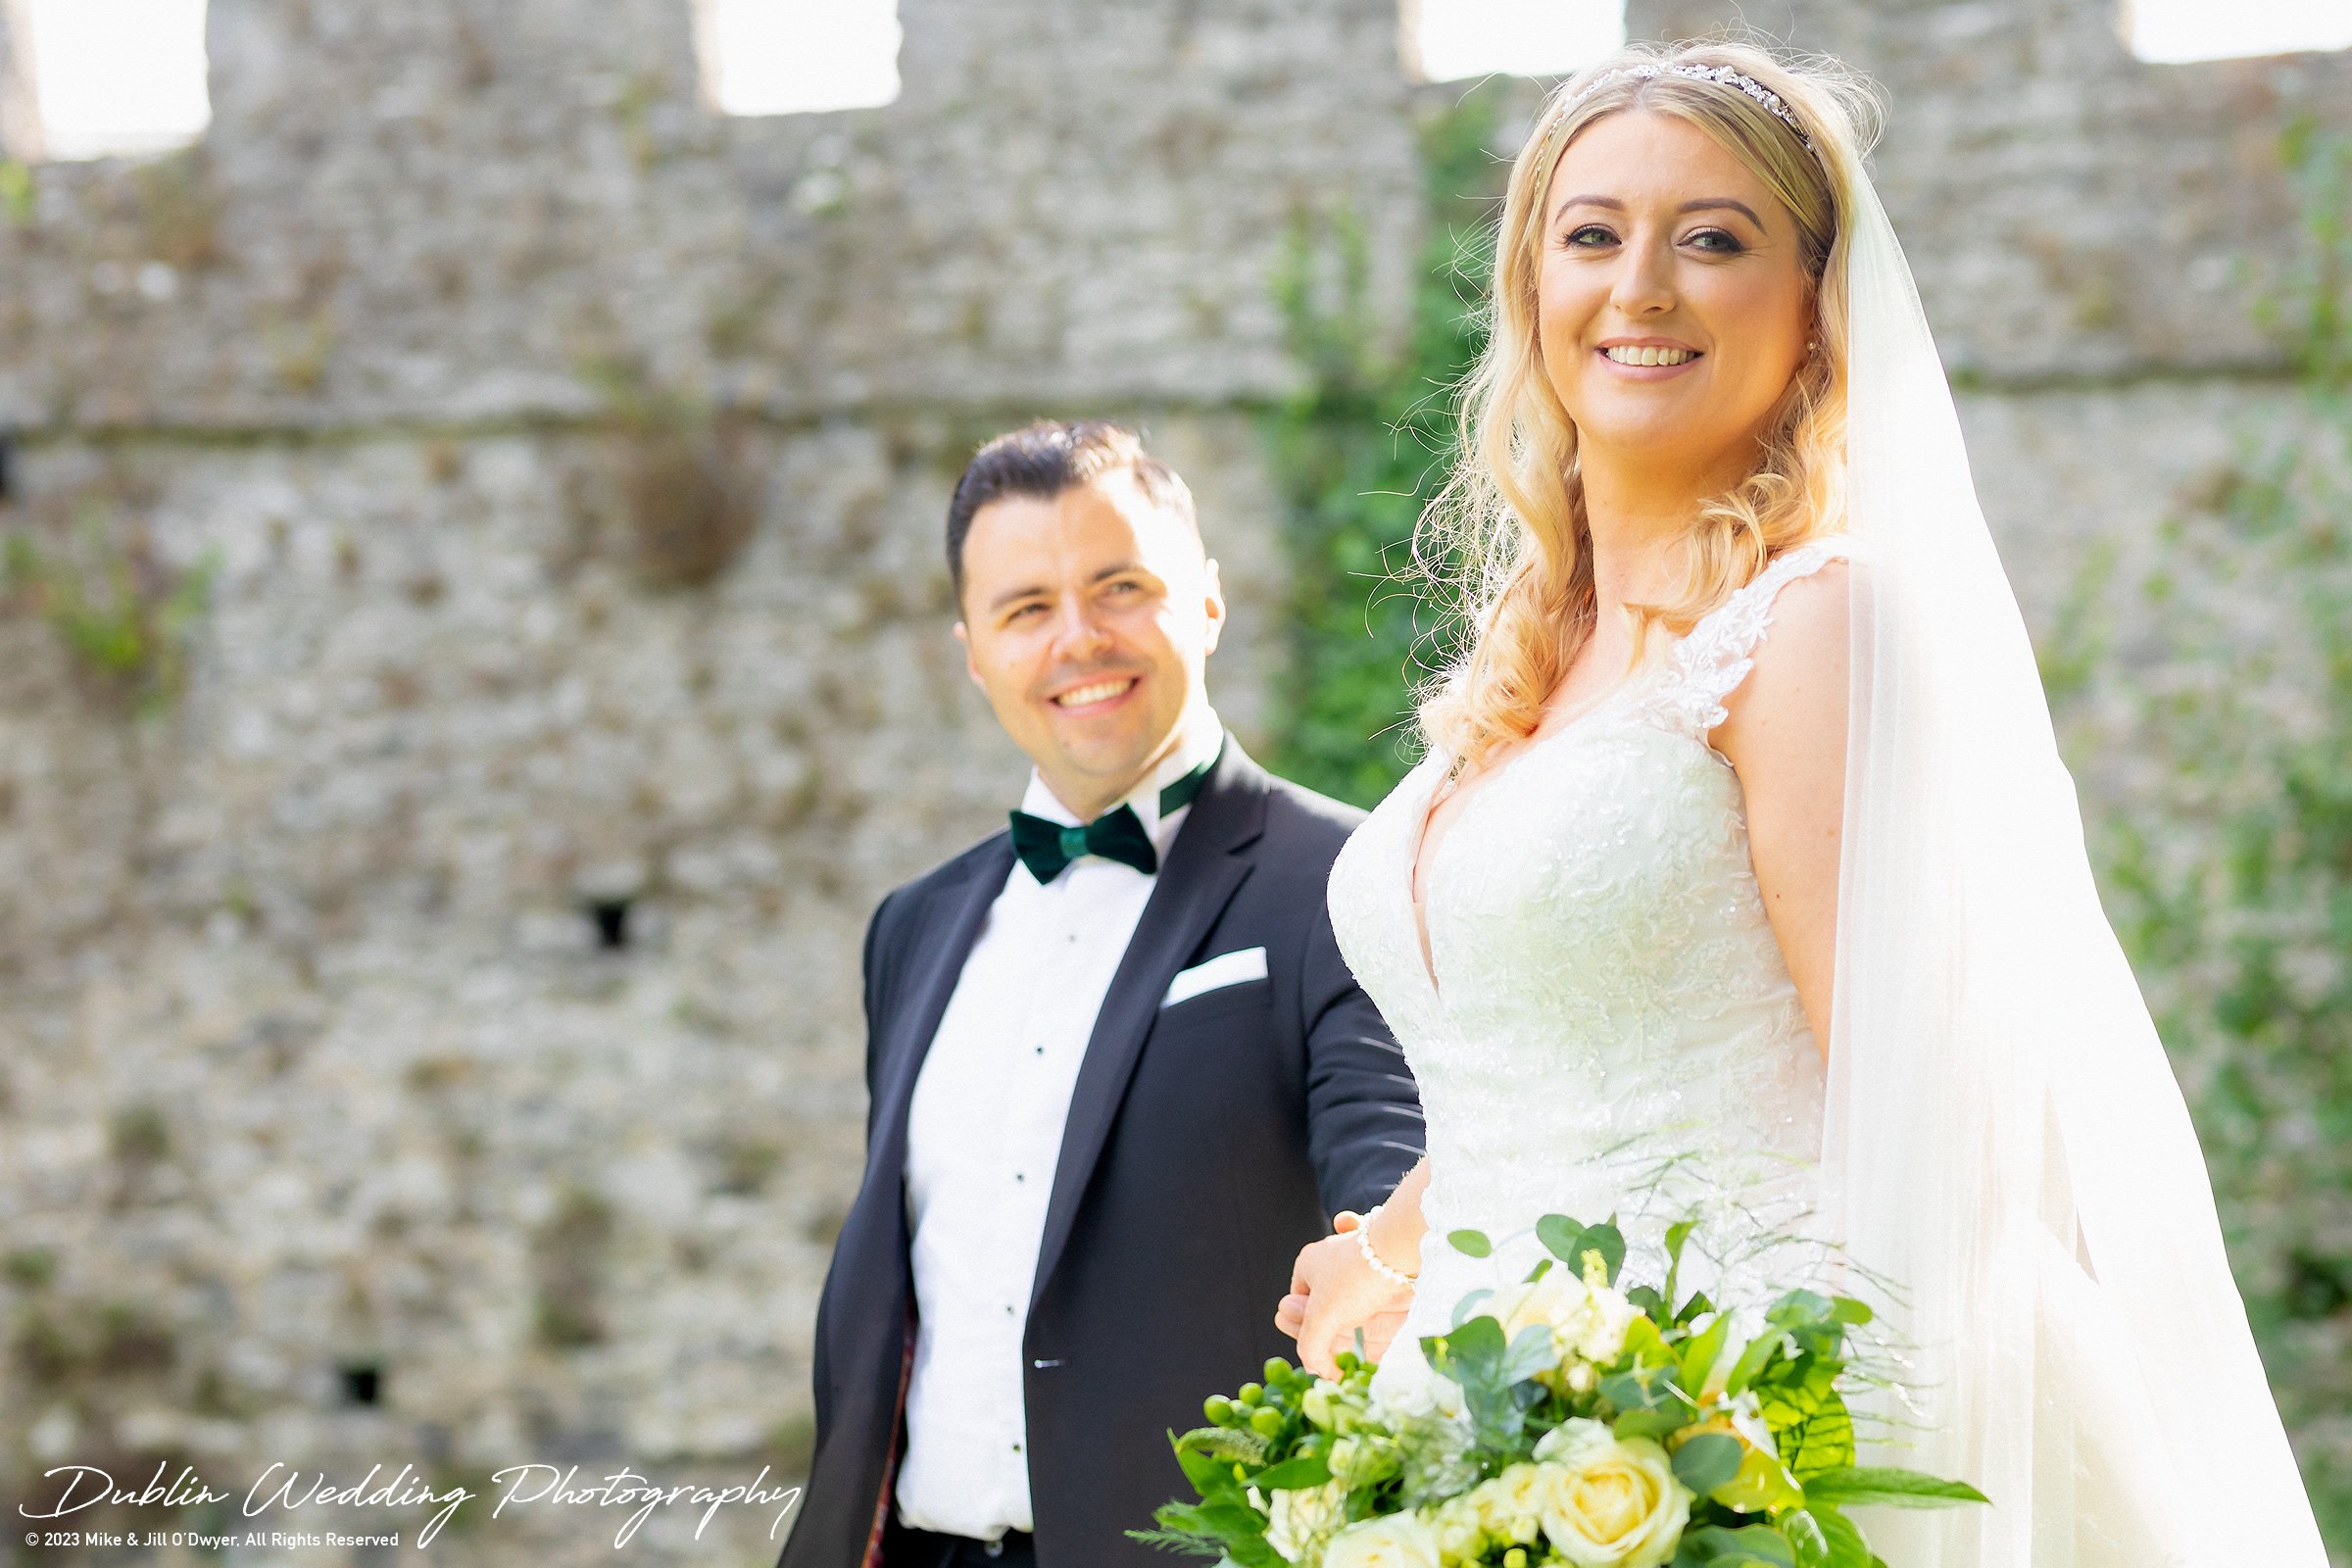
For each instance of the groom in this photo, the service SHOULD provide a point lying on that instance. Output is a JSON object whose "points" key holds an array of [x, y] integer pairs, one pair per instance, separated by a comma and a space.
{"points": [[1117, 1072]]}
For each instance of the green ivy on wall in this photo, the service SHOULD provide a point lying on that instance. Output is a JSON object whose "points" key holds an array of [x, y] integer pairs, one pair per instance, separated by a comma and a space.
{"points": [[121, 609], [1361, 449]]}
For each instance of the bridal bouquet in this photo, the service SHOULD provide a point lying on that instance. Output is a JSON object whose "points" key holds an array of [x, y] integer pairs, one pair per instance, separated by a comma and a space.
{"points": [[1594, 1426]]}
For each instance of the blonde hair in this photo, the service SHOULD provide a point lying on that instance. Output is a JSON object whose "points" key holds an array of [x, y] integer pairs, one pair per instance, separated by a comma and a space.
{"points": [[1507, 540]]}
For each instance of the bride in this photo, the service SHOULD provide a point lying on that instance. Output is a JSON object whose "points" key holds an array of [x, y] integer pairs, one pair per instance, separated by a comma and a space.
{"points": [[1742, 882]]}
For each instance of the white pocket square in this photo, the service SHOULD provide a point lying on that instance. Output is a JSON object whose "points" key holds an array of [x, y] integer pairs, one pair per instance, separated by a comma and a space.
{"points": [[1225, 969]]}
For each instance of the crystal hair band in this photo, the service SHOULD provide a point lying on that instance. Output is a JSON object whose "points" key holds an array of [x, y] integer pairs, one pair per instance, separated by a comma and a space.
{"points": [[1724, 75]]}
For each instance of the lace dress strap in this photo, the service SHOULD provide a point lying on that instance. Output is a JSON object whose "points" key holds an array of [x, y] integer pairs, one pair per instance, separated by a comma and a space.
{"points": [[1708, 664]]}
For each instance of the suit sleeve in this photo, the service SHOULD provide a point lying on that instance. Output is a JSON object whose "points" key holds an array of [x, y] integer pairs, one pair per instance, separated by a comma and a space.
{"points": [[1363, 1112], [877, 944]]}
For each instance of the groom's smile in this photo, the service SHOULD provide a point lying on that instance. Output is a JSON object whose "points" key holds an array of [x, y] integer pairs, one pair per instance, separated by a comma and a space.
{"points": [[1096, 696]]}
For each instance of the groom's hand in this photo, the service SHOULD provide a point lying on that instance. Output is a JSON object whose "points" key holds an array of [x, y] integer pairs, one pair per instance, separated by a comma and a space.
{"points": [[1333, 1294]]}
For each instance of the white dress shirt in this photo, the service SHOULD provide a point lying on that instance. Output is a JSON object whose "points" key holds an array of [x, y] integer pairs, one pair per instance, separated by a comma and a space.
{"points": [[983, 1138]]}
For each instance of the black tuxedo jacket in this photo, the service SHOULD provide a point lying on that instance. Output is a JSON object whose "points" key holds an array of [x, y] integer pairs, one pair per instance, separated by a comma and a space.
{"points": [[1206, 1143]]}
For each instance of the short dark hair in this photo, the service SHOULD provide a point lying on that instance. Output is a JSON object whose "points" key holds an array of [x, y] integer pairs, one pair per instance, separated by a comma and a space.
{"points": [[1046, 458]]}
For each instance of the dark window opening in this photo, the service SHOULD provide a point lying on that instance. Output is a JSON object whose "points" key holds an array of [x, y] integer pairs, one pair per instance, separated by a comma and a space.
{"points": [[612, 919], [362, 1386]]}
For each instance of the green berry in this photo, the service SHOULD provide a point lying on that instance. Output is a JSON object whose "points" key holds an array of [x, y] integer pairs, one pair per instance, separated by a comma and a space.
{"points": [[1278, 1371], [1348, 1361], [1250, 1393], [1218, 1409], [1267, 1423]]}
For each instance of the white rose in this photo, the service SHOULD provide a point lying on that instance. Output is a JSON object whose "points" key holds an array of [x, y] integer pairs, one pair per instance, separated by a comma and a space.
{"points": [[1398, 1540], [1611, 1502], [1299, 1517]]}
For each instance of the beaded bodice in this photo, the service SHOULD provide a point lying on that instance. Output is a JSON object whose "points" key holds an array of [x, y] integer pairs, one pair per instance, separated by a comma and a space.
{"points": [[1611, 1027]]}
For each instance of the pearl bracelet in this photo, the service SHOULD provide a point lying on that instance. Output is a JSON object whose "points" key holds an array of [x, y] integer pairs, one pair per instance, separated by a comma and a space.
{"points": [[1363, 1245]]}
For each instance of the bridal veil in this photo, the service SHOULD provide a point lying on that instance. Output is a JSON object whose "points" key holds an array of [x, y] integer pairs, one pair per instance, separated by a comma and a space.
{"points": [[2005, 1146]]}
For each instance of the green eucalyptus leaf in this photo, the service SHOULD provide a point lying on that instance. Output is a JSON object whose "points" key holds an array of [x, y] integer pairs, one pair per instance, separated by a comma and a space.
{"points": [[1800, 1307], [1605, 1239], [1823, 1342], [1654, 1425], [1649, 1402], [1634, 1389], [1472, 1244], [1479, 1340], [1558, 1234], [1708, 1460], [1532, 1351], [1468, 1306], [1472, 1355]]}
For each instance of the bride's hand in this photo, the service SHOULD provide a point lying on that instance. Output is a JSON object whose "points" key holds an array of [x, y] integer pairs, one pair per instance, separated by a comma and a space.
{"points": [[1334, 1292]]}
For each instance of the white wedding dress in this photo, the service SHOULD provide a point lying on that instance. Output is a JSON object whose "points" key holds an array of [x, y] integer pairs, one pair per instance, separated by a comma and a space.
{"points": [[1997, 1149], [1611, 1029]]}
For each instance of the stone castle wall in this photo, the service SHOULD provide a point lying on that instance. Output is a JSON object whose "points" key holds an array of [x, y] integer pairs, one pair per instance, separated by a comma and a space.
{"points": [[456, 982]]}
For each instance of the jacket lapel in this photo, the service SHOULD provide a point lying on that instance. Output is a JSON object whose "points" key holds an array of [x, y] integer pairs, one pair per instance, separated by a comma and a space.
{"points": [[950, 930], [1203, 868]]}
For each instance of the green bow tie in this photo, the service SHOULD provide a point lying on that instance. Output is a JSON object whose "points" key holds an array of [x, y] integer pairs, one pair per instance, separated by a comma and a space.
{"points": [[1047, 847]]}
